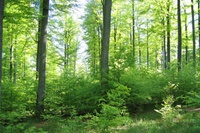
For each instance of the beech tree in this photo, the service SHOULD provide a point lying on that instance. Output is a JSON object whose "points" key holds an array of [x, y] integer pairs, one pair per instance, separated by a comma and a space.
{"points": [[199, 29], [42, 59], [193, 34], [107, 5], [133, 31], [179, 52], [168, 32], [1, 43]]}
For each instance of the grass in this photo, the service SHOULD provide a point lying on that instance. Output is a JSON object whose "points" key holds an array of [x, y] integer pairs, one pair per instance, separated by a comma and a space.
{"points": [[147, 122], [151, 123]]}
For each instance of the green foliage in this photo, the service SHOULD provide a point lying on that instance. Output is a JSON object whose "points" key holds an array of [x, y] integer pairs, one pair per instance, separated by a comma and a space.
{"points": [[72, 96], [113, 110], [192, 99], [168, 112], [146, 87]]}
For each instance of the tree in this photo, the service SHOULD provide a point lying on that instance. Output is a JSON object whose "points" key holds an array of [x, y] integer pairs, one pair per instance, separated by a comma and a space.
{"points": [[193, 34], [186, 37], [133, 30], [168, 32], [93, 34], [199, 27], [179, 34], [42, 59], [1, 42], [107, 5]]}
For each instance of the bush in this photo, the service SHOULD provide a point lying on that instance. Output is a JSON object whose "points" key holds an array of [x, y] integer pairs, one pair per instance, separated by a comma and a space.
{"points": [[168, 112], [146, 87]]}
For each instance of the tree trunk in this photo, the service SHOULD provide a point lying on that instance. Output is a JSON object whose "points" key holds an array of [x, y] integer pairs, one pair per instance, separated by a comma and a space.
{"points": [[199, 27], [186, 54], [15, 61], [140, 57], [99, 32], [179, 35], [107, 4], [156, 60], [147, 46], [186, 37], [168, 34], [38, 37], [42, 60], [94, 58], [11, 61], [193, 34], [133, 30], [164, 45], [115, 37], [1, 44]]}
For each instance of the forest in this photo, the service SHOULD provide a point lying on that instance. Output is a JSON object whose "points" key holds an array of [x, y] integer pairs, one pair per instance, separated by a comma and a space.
{"points": [[99, 66]]}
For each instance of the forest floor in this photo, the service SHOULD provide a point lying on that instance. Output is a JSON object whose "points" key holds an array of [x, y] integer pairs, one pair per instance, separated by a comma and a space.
{"points": [[145, 122]]}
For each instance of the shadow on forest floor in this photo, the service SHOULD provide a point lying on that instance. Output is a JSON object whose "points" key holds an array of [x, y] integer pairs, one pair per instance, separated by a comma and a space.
{"points": [[143, 122]]}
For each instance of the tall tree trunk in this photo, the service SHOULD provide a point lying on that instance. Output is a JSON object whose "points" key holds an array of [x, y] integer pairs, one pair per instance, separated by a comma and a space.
{"points": [[186, 37], [107, 5], [133, 31], [199, 27], [147, 45], [38, 38], [99, 32], [11, 61], [168, 34], [115, 37], [15, 61], [193, 34], [179, 35], [42, 59], [1, 44], [140, 57], [164, 46], [156, 59], [139, 51], [94, 58]]}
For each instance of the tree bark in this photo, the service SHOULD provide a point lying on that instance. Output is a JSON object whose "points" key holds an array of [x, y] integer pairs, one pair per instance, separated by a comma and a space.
{"points": [[1, 44], [199, 27], [42, 59], [147, 46], [179, 35], [11, 61], [38, 37], [133, 31], [164, 46], [193, 34], [107, 5], [186, 37], [168, 34]]}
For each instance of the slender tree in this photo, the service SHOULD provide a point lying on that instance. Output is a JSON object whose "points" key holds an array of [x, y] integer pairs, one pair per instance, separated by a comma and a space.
{"points": [[133, 30], [193, 34], [164, 46], [186, 37], [1, 43], [168, 33], [179, 34], [147, 43], [199, 27], [107, 5], [38, 38], [42, 59]]}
